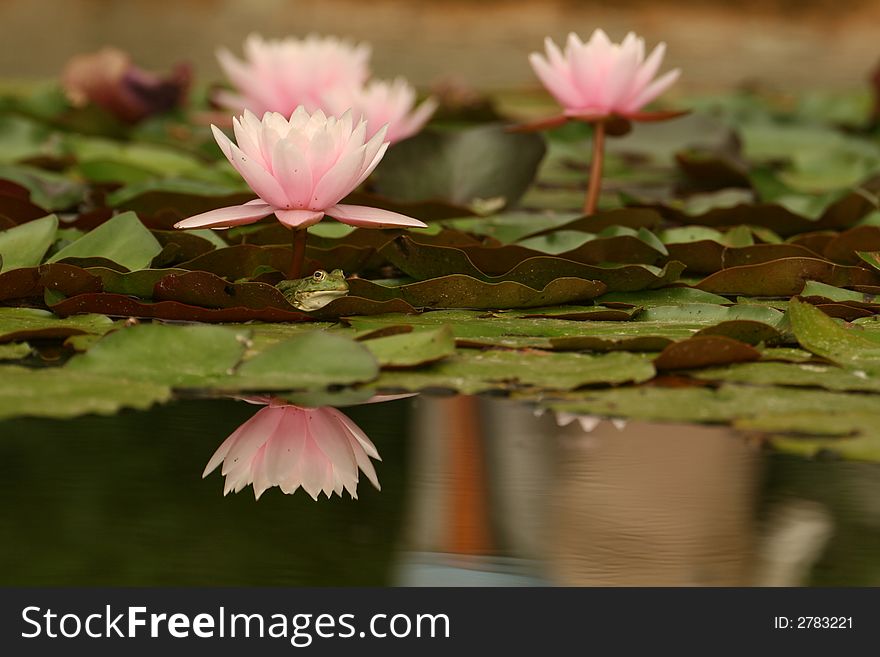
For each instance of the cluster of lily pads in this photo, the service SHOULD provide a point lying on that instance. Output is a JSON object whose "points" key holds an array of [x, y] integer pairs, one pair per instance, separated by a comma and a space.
{"points": [[728, 275]]}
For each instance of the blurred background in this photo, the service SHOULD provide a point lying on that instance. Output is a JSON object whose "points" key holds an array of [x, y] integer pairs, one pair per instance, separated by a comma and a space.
{"points": [[780, 44], [475, 490]]}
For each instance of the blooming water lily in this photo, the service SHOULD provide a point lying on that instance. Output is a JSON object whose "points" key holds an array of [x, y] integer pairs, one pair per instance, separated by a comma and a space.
{"points": [[603, 83], [281, 75], [301, 169], [381, 103]]}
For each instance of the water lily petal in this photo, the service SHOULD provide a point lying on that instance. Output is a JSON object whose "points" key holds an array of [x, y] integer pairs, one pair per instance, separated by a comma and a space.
{"points": [[294, 173], [653, 90], [253, 172], [234, 215], [359, 215]]}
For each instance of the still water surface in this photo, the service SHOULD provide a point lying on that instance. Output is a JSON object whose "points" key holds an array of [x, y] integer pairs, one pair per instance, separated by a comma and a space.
{"points": [[474, 491]]}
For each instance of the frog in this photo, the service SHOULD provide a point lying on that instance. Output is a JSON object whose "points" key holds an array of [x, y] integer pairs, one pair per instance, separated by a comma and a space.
{"points": [[315, 291]]}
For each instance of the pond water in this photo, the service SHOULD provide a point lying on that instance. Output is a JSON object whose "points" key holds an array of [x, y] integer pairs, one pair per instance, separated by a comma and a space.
{"points": [[475, 490]]}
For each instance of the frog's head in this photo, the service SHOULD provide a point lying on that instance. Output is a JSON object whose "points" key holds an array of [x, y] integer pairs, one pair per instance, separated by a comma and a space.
{"points": [[321, 281], [315, 291]]}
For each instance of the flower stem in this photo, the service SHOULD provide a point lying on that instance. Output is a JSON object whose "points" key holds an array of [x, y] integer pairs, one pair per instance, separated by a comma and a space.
{"points": [[299, 252], [595, 183]]}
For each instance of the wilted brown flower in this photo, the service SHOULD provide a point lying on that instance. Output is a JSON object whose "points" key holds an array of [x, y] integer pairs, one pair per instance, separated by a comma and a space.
{"points": [[109, 79]]}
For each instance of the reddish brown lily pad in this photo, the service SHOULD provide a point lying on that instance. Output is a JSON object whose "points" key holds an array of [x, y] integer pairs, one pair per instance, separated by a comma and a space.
{"points": [[19, 209], [713, 170], [841, 310], [742, 330], [704, 351], [425, 262], [841, 214], [460, 291], [351, 306], [845, 247], [160, 209], [784, 277], [119, 305], [242, 260], [629, 217], [816, 241], [623, 249], [179, 246], [757, 253], [700, 257], [201, 288], [31, 282]]}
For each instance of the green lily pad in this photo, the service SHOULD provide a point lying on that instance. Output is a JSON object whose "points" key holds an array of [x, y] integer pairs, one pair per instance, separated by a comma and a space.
{"points": [[727, 403], [472, 371], [786, 355], [133, 161], [48, 190], [663, 297], [316, 359], [705, 313], [123, 240], [461, 166], [176, 356], [507, 330], [871, 257], [512, 226], [865, 447], [138, 283], [412, 349], [31, 323], [265, 334], [815, 289], [818, 333], [582, 313], [26, 244], [807, 375], [15, 351], [61, 393]]}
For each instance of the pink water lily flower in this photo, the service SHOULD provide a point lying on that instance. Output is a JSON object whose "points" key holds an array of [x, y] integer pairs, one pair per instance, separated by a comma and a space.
{"points": [[383, 103], [281, 75], [600, 78], [301, 168], [289, 446], [605, 84]]}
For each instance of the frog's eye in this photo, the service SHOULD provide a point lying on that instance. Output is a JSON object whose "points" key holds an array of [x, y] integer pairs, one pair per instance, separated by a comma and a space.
{"points": [[319, 275]]}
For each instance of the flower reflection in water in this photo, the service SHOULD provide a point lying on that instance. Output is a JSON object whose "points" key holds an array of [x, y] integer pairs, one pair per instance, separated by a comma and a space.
{"points": [[284, 445]]}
